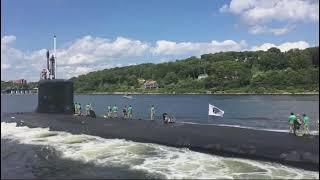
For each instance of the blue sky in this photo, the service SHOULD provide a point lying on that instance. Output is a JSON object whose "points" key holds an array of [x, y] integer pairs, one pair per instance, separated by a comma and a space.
{"points": [[135, 31]]}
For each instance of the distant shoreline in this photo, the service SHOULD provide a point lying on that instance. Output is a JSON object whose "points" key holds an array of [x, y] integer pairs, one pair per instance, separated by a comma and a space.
{"points": [[136, 93], [150, 93]]}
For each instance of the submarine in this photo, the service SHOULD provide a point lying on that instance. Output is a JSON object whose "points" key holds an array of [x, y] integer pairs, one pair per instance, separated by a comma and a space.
{"points": [[55, 111]]}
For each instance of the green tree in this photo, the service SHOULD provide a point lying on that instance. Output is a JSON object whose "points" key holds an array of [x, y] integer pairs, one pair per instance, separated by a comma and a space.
{"points": [[170, 78], [272, 59], [299, 59]]}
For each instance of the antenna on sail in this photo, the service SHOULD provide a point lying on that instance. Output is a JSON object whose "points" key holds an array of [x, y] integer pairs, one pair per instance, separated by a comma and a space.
{"points": [[55, 55]]}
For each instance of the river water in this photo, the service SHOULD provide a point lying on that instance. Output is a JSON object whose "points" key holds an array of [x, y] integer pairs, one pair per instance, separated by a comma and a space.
{"points": [[40, 153]]}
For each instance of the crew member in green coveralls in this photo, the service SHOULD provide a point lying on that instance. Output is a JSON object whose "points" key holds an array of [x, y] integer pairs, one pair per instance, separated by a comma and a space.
{"points": [[109, 112], [115, 111], [153, 112], [88, 109], [297, 125], [75, 108], [79, 109], [306, 121], [291, 120], [130, 112]]}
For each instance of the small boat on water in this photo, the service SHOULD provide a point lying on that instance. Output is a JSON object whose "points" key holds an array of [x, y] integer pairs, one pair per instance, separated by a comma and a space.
{"points": [[127, 96]]}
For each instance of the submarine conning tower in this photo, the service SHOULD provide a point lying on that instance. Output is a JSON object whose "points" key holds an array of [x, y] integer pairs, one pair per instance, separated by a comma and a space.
{"points": [[54, 95]]}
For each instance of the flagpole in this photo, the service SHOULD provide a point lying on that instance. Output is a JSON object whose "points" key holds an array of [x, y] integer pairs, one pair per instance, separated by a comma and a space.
{"points": [[208, 115]]}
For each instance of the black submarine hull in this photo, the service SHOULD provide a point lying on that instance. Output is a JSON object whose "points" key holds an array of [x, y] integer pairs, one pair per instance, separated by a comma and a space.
{"points": [[302, 152]]}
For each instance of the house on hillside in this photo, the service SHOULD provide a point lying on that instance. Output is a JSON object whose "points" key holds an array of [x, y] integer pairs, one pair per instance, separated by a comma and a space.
{"points": [[19, 81], [150, 84], [202, 76]]}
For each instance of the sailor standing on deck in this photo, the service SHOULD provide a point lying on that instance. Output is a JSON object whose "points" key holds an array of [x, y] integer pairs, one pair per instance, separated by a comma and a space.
{"points": [[125, 114], [75, 108], [115, 111], [306, 121], [153, 112], [297, 124], [109, 111], [291, 120], [130, 112], [79, 109], [87, 110]]}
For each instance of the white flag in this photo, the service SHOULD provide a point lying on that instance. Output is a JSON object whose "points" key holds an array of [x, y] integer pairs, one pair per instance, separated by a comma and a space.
{"points": [[214, 111]]}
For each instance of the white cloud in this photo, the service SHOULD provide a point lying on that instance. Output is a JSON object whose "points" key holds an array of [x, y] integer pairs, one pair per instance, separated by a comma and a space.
{"points": [[81, 56], [224, 8], [12, 58], [88, 50], [256, 13], [283, 47], [280, 31], [72, 71], [264, 29], [238, 6], [7, 40], [93, 53], [5, 66], [172, 48]]}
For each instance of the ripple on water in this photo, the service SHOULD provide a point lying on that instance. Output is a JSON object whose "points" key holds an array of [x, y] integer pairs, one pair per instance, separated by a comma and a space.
{"points": [[141, 149], [75, 139], [242, 167], [46, 134]]}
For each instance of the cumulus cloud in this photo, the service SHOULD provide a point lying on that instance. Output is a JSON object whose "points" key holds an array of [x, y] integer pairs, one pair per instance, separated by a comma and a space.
{"points": [[283, 47], [12, 58], [7, 40], [89, 54], [81, 56], [261, 12], [88, 50], [173, 48], [5, 66], [264, 29]]}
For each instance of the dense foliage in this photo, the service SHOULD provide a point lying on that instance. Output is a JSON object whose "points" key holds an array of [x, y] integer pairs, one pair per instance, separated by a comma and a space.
{"points": [[248, 72], [11, 85]]}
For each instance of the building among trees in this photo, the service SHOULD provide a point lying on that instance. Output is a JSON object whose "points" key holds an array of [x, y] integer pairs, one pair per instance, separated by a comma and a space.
{"points": [[202, 76], [150, 84], [19, 81]]}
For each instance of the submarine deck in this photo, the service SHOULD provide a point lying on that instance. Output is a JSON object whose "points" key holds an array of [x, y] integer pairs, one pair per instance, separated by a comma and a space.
{"points": [[302, 152]]}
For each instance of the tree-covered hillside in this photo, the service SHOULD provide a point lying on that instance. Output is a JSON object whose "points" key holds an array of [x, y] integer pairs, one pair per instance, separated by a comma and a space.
{"points": [[248, 72], [10, 85]]}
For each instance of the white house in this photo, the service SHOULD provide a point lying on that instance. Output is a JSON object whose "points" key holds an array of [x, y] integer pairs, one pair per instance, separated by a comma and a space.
{"points": [[202, 76]]}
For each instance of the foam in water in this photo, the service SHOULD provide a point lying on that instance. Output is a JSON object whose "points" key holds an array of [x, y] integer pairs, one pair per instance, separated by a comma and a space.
{"points": [[155, 159]]}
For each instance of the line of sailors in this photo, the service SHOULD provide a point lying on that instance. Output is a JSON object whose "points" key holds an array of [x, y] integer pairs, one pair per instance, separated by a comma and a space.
{"points": [[296, 121], [112, 112], [88, 110]]}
